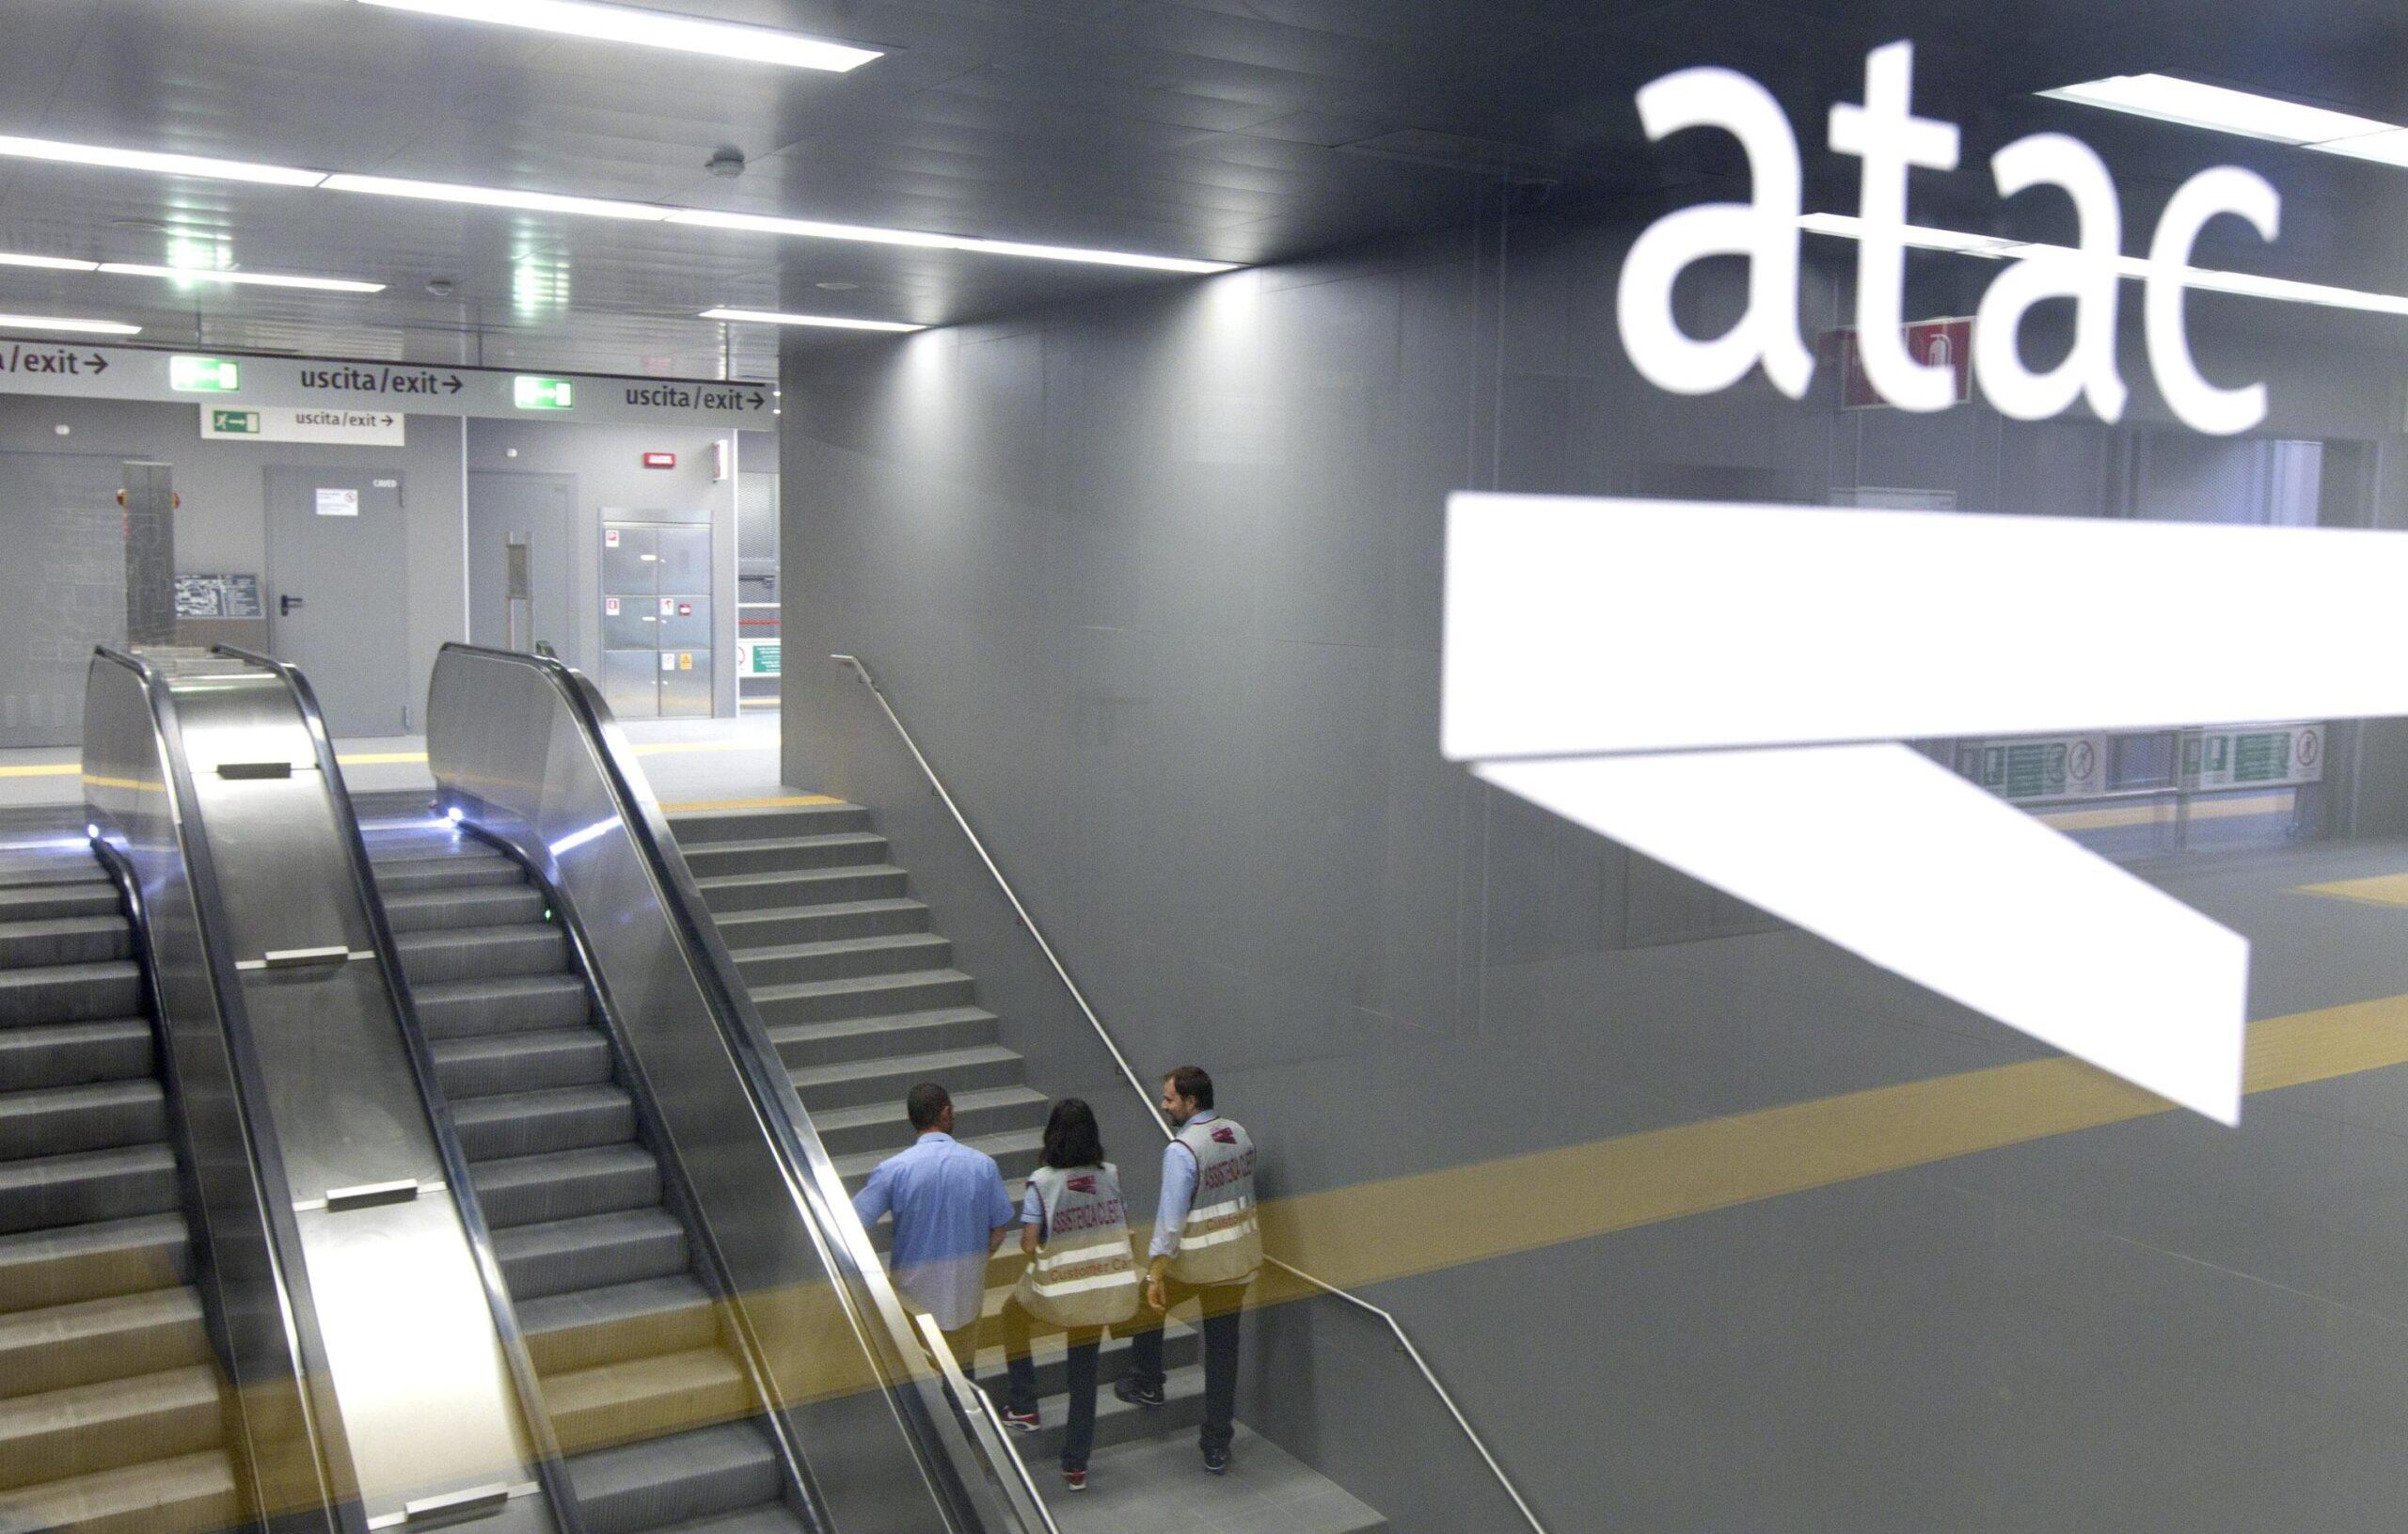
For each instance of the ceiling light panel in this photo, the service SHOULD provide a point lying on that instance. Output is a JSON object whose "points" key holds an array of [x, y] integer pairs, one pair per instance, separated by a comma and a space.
{"points": [[2167, 99], [46, 321], [494, 197], [165, 165], [827, 321], [810, 228], [48, 263], [259, 279], [650, 29]]}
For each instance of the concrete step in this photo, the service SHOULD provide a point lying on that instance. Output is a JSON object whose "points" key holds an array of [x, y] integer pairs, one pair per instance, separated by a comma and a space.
{"points": [[883, 1127], [753, 823], [863, 996], [785, 854], [778, 925], [800, 887], [1264, 1489], [802, 1045], [1015, 1153], [842, 959], [851, 1083]]}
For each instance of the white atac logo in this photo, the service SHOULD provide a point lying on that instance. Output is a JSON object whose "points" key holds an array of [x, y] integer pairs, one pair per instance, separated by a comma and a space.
{"points": [[1884, 133]]}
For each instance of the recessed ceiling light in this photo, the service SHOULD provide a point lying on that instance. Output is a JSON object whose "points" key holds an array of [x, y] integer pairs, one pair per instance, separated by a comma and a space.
{"points": [[260, 279], [837, 287], [50, 263], [492, 196], [169, 165], [812, 228], [2193, 105], [651, 29], [830, 322], [44, 322]]}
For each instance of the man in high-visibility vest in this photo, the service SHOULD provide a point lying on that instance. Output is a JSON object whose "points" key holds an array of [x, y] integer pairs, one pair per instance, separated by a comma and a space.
{"points": [[1206, 1247]]}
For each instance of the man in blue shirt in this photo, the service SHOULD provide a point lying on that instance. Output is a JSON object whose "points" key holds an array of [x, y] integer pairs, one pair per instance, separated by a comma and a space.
{"points": [[950, 1215]]}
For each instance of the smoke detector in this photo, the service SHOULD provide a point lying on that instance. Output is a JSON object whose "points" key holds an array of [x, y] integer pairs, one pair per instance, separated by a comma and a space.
{"points": [[439, 287], [727, 164]]}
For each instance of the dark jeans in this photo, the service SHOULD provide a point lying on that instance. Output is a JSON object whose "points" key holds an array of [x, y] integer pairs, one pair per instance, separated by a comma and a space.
{"points": [[1220, 1303], [1084, 1343]]}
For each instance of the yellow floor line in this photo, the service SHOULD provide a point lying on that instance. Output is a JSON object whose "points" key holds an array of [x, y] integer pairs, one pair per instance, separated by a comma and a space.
{"points": [[1403, 1226], [2380, 890], [781, 802], [43, 769], [378, 758], [2162, 814]]}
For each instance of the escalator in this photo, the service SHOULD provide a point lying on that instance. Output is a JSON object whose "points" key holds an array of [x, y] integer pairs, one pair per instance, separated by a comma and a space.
{"points": [[112, 1412], [650, 1398]]}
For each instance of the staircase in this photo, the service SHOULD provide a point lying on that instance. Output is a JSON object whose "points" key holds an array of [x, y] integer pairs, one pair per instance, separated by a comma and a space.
{"points": [[653, 1408], [863, 1000], [111, 1415]]}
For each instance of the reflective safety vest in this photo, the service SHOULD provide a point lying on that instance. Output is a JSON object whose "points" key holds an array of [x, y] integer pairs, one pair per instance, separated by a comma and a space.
{"points": [[1085, 1274], [1220, 1243]]}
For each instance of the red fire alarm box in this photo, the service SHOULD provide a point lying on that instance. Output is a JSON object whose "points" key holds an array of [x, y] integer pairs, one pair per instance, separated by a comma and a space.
{"points": [[661, 460]]}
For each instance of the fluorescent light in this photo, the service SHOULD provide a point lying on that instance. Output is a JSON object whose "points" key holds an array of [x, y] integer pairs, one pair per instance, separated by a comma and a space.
{"points": [[830, 322], [2196, 105], [261, 280], [2390, 147], [489, 197], [44, 322], [650, 29], [2248, 284], [49, 264], [810, 228], [1920, 236], [168, 165]]}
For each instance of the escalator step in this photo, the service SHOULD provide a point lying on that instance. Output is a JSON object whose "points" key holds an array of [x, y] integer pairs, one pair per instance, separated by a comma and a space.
{"points": [[192, 1494], [768, 1518], [91, 1428], [46, 1268], [563, 1186], [100, 1339], [67, 1054], [437, 871], [534, 1123], [647, 1398], [597, 1251], [70, 992], [64, 939], [440, 909], [487, 1063], [584, 1330], [87, 1186], [490, 952], [692, 1476], [97, 1116], [461, 1009], [94, 896]]}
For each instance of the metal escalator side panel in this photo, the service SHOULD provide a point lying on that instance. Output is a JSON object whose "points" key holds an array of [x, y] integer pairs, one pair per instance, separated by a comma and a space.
{"points": [[525, 750], [294, 1463]]}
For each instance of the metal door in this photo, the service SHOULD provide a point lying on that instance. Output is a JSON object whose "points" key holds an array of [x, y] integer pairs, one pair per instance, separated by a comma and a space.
{"points": [[337, 579], [537, 509], [632, 620]]}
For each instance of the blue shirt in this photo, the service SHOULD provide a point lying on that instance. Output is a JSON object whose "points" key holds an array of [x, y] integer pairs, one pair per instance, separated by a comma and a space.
{"points": [[1178, 1193], [947, 1201]]}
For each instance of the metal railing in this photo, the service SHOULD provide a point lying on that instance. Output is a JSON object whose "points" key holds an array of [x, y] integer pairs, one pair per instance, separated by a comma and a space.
{"points": [[1120, 1061]]}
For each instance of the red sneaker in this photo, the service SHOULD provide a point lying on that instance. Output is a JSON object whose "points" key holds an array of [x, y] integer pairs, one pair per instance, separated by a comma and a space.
{"points": [[1025, 1421], [1075, 1479]]}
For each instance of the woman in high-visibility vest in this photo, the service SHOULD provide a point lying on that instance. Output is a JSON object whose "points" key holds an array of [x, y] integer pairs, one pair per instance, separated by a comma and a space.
{"points": [[1082, 1276]]}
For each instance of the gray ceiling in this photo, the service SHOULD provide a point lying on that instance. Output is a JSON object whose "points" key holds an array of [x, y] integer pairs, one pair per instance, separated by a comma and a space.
{"points": [[1237, 130]]}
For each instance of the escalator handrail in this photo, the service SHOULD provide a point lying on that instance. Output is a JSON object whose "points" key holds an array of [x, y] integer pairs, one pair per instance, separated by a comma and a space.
{"points": [[1396, 1328], [747, 1038], [551, 1468], [329, 1443]]}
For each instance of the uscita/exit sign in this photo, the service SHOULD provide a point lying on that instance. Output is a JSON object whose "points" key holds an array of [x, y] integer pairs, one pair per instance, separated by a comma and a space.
{"points": [[205, 375], [533, 393], [661, 460]]}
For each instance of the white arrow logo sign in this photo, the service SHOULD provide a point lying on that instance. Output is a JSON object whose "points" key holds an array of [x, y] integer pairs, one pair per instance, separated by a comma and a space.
{"points": [[1724, 688]]}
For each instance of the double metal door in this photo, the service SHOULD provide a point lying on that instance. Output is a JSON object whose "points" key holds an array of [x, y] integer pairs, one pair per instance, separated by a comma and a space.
{"points": [[656, 620]]}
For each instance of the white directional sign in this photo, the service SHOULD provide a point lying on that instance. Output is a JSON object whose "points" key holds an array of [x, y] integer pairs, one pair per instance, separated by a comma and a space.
{"points": [[286, 423], [1723, 687]]}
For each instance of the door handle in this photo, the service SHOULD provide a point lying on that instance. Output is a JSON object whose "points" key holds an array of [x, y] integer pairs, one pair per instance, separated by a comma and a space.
{"points": [[285, 605]]}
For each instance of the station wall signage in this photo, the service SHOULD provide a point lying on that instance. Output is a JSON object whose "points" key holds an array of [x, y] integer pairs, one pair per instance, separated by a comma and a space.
{"points": [[284, 423], [304, 385]]}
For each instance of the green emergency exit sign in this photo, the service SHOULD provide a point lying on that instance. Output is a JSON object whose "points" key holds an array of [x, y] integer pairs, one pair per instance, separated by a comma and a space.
{"points": [[544, 393], [205, 375]]}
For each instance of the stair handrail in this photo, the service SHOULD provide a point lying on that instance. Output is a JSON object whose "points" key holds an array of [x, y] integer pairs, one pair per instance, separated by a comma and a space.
{"points": [[1153, 1110]]}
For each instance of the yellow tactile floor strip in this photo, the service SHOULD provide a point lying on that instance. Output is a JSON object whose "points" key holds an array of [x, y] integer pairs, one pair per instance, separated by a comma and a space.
{"points": [[2380, 890]]}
